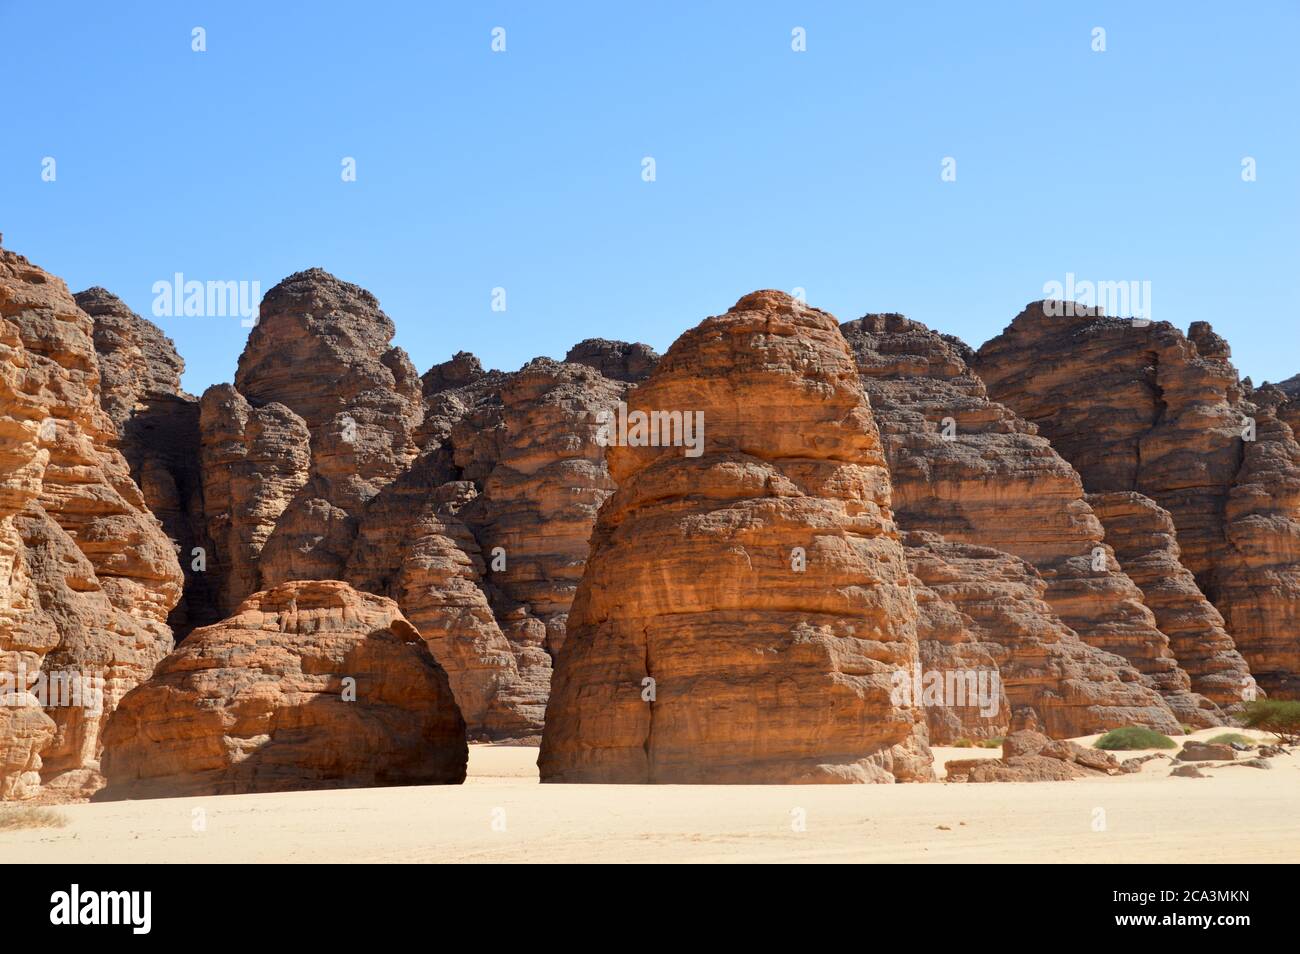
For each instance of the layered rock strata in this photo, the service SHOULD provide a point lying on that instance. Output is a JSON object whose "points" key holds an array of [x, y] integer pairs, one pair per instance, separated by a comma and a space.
{"points": [[255, 461], [616, 360], [536, 455], [89, 576], [1145, 408], [1146, 544], [983, 612], [309, 685], [697, 650], [322, 349], [157, 425], [968, 468], [466, 495], [414, 547]]}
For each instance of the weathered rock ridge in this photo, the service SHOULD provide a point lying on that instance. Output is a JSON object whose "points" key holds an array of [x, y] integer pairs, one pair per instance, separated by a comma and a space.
{"points": [[1094, 521], [309, 685], [1147, 409], [321, 349], [616, 360], [1146, 544], [969, 469], [157, 427], [983, 610], [696, 650], [89, 577], [466, 495], [1290, 387]]}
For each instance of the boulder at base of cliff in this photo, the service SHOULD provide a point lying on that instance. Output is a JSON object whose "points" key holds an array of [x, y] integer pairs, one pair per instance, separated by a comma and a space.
{"points": [[309, 685]]}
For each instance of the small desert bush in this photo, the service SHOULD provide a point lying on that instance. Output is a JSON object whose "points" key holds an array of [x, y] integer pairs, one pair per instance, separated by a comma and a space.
{"points": [[1232, 738], [1279, 716], [1134, 737], [990, 743], [15, 817], [962, 743]]}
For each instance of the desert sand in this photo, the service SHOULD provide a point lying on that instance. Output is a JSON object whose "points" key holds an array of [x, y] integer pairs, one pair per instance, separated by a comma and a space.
{"points": [[1238, 814]]}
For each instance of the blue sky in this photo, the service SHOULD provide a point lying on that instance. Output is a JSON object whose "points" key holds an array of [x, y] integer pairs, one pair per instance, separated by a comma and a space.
{"points": [[774, 168]]}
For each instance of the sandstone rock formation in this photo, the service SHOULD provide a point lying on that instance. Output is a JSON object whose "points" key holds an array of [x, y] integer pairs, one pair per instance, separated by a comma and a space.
{"points": [[414, 547], [157, 427], [309, 685], [136, 360], [1029, 756], [1151, 410], [535, 453], [89, 576], [616, 360], [321, 348], [1290, 387], [466, 495], [938, 530], [461, 369], [255, 460], [1208, 751], [1142, 534], [696, 652], [969, 469], [984, 609]]}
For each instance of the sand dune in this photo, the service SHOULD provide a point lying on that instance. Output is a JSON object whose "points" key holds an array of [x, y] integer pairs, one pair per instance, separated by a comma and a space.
{"points": [[1238, 814]]}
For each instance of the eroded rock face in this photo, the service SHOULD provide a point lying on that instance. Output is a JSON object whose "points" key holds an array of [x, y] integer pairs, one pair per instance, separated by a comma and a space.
{"points": [[616, 360], [414, 547], [982, 609], [1290, 387], [322, 349], [518, 454], [535, 453], [136, 360], [467, 495], [1151, 410], [27, 633], [157, 427], [695, 651], [255, 461], [90, 577], [309, 685], [1142, 534], [968, 468], [322, 416], [461, 369], [1029, 756]]}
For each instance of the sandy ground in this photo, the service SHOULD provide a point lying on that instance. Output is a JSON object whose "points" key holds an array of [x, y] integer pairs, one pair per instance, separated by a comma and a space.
{"points": [[502, 813]]}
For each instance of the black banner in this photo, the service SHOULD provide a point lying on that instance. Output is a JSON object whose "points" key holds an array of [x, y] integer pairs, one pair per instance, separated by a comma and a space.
{"points": [[140, 903]]}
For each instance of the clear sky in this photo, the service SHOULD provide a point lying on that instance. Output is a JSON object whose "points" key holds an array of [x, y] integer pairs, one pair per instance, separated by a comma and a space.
{"points": [[774, 168]]}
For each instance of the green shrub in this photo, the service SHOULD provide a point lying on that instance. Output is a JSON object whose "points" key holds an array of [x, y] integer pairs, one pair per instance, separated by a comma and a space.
{"points": [[1134, 737], [1279, 716], [963, 743], [992, 743], [1231, 738]]}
